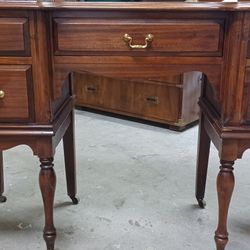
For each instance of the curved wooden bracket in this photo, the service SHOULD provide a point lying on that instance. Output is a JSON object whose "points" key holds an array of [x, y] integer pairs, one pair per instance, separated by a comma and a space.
{"points": [[40, 146]]}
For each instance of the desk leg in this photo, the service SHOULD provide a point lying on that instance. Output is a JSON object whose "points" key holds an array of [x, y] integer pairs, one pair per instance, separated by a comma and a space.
{"points": [[225, 186], [69, 156], [2, 198], [47, 181], [202, 163]]}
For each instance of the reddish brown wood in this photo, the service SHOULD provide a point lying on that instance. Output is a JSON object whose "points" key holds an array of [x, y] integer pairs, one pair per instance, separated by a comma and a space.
{"points": [[28, 112], [202, 162], [42, 68], [47, 181], [225, 186], [171, 100], [107, 35], [14, 36], [166, 5], [1, 174], [210, 31], [2, 198], [231, 91], [70, 163], [17, 104]]}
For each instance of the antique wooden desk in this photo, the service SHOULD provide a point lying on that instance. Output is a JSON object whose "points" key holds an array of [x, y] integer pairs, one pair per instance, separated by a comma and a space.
{"points": [[42, 43]]}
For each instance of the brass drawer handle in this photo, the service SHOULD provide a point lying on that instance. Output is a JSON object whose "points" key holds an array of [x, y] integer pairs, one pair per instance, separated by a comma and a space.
{"points": [[2, 94], [148, 40], [152, 99]]}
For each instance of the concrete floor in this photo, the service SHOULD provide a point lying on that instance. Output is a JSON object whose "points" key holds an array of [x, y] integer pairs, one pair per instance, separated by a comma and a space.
{"points": [[136, 184]]}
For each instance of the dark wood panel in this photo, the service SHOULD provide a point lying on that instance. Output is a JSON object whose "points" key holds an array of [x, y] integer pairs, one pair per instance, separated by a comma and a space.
{"points": [[159, 99], [15, 84], [192, 82], [169, 36], [165, 56], [104, 92], [246, 98], [248, 47], [14, 36]]}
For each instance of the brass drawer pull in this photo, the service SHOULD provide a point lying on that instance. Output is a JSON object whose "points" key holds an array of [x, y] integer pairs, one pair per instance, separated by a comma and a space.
{"points": [[148, 40], [152, 99], [2, 94]]}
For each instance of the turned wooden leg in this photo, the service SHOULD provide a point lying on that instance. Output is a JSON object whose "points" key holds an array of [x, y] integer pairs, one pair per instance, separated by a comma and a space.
{"points": [[47, 181], [2, 198], [225, 186], [202, 163], [69, 156]]}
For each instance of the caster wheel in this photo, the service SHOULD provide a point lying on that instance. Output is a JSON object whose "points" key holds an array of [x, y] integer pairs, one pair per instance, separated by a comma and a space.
{"points": [[3, 199], [74, 199], [202, 203]]}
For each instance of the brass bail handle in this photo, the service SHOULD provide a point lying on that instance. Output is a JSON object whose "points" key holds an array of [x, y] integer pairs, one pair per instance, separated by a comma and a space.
{"points": [[2, 94], [148, 40]]}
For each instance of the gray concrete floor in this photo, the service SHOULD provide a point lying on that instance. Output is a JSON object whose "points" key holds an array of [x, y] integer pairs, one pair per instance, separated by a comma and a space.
{"points": [[136, 184]]}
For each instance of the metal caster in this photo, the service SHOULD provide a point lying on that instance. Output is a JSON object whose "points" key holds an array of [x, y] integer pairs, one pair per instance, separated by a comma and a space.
{"points": [[201, 203], [75, 200], [3, 199]]}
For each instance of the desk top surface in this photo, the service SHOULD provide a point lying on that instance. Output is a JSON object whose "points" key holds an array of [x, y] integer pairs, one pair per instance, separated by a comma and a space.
{"points": [[154, 5]]}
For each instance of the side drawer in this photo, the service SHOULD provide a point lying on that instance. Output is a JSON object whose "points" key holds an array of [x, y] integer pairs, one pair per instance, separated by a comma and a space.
{"points": [[158, 101], [103, 92], [14, 37], [87, 89], [192, 37], [16, 93]]}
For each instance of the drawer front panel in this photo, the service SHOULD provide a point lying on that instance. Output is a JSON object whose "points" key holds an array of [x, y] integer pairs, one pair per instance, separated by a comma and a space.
{"points": [[157, 99], [169, 36], [14, 36], [103, 92], [16, 93]]}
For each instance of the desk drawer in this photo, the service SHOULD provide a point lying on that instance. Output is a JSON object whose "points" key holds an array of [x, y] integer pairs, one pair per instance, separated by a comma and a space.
{"points": [[169, 36], [14, 36], [15, 93], [157, 100], [103, 92]]}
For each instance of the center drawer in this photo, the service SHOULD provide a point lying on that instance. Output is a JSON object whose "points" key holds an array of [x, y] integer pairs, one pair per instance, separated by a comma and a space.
{"points": [[192, 37]]}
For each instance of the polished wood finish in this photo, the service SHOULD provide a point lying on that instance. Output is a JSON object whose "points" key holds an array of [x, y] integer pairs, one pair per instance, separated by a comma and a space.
{"points": [[171, 100], [47, 181], [16, 83], [222, 59], [107, 35], [69, 156], [225, 186], [2, 198], [246, 93], [14, 36], [29, 113], [202, 162]]}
